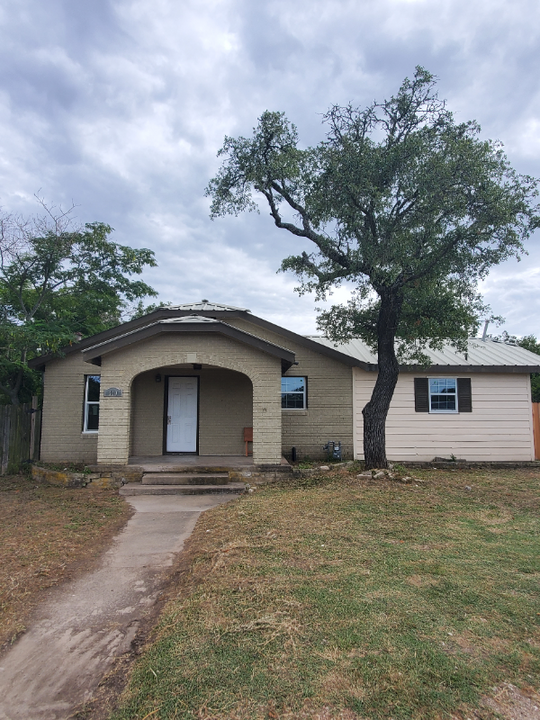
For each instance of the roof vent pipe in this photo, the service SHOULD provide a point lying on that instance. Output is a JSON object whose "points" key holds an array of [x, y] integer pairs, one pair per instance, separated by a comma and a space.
{"points": [[484, 334]]}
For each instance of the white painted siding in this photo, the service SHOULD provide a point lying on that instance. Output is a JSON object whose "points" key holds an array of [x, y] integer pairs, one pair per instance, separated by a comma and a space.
{"points": [[498, 428]]}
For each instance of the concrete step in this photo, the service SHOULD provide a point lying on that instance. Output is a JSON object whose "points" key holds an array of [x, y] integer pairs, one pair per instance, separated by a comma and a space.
{"points": [[140, 489], [185, 479]]}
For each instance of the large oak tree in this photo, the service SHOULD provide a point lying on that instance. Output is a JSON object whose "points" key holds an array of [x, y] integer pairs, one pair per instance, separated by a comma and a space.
{"points": [[400, 200]]}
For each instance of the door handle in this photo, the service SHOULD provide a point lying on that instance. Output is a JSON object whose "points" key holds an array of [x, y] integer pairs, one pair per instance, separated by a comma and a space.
{"points": [[168, 419]]}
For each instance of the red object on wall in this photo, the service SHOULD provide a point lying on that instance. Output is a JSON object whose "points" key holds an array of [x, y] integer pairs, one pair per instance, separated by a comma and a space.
{"points": [[248, 438]]}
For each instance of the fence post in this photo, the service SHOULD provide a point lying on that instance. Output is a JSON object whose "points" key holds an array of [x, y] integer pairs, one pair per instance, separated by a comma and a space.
{"points": [[5, 415], [19, 436], [33, 409]]}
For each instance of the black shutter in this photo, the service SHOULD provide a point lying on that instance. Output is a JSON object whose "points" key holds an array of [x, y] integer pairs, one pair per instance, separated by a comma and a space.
{"points": [[421, 395], [464, 394]]}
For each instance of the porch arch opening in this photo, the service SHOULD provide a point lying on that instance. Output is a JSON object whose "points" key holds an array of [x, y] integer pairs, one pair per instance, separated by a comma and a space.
{"points": [[224, 407]]}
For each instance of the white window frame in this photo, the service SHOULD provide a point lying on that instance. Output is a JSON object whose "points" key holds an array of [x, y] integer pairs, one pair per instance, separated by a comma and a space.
{"points": [[88, 403], [432, 394], [302, 393]]}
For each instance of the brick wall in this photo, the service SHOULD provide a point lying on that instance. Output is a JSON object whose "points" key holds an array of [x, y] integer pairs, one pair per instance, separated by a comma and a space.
{"points": [[62, 438], [242, 388], [119, 368], [329, 414]]}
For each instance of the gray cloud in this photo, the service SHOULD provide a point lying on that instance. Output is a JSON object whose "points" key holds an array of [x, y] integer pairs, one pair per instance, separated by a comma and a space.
{"points": [[121, 105]]}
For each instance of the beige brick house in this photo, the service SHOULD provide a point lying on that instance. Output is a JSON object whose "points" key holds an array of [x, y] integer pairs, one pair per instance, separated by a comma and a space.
{"points": [[196, 378]]}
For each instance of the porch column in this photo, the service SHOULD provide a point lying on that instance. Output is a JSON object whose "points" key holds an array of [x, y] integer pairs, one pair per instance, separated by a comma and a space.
{"points": [[114, 419], [267, 417]]}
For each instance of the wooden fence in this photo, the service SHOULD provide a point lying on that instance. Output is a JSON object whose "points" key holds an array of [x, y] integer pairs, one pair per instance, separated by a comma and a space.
{"points": [[20, 428], [536, 429]]}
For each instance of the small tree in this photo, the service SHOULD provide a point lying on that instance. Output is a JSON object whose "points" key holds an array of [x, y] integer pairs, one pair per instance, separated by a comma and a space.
{"points": [[58, 281], [400, 200], [529, 342]]}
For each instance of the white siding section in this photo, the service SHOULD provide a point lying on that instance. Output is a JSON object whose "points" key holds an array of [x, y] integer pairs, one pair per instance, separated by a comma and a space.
{"points": [[498, 428]]}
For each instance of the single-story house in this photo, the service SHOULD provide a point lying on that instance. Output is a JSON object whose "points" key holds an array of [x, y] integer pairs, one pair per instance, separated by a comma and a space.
{"points": [[197, 378]]}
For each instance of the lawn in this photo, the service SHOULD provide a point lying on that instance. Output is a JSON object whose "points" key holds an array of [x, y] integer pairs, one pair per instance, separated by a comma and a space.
{"points": [[351, 598], [48, 534]]}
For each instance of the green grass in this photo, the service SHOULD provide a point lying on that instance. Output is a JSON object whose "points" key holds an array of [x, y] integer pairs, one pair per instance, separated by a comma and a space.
{"points": [[378, 599]]}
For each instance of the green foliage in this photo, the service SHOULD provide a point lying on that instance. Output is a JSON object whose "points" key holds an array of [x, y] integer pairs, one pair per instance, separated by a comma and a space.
{"points": [[535, 387], [397, 197], [140, 309], [409, 206], [529, 342], [58, 284], [432, 313]]}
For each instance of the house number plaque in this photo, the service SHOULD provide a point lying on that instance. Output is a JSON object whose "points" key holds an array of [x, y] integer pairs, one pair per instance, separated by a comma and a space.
{"points": [[112, 392]]}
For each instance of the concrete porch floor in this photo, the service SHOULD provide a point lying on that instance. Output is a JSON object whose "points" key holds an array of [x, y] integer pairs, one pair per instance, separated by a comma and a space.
{"points": [[179, 462]]}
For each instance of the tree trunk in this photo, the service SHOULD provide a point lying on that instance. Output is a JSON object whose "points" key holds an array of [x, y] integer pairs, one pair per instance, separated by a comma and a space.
{"points": [[376, 410]]}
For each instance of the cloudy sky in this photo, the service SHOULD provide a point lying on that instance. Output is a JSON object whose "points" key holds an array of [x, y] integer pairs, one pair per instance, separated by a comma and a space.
{"points": [[121, 105]]}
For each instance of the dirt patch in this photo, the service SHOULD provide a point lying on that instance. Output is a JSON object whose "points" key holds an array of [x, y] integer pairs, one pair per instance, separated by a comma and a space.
{"points": [[513, 703], [48, 535], [422, 580]]}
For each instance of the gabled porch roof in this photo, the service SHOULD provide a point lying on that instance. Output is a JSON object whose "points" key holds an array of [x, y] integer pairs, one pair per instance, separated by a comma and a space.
{"points": [[187, 324]]}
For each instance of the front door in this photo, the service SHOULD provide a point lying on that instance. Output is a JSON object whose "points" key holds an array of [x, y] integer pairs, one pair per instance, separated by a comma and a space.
{"points": [[182, 414]]}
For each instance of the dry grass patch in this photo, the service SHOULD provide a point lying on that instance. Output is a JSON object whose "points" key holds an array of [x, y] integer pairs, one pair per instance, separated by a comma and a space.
{"points": [[47, 534], [355, 598]]}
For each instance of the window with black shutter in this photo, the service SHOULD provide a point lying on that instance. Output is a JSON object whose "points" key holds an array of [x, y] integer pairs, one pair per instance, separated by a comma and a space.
{"points": [[442, 395]]}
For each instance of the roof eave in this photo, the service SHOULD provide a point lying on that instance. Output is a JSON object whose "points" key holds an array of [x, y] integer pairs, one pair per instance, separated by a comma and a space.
{"points": [[515, 369]]}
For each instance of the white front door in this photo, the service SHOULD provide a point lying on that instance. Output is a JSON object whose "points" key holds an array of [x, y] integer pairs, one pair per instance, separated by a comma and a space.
{"points": [[182, 414]]}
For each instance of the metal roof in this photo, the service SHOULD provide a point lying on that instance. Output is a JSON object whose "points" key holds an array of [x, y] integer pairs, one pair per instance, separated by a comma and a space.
{"points": [[186, 319], [207, 306], [481, 353]]}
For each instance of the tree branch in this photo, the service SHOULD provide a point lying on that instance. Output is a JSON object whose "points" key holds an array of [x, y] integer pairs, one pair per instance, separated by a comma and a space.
{"points": [[323, 243]]}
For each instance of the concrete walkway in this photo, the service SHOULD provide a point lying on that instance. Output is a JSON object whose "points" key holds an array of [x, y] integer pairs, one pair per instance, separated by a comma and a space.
{"points": [[86, 623]]}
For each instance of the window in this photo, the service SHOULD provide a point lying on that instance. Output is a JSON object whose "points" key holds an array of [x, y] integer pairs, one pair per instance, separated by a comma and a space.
{"points": [[442, 395], [293, 393], [91, 403]]}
